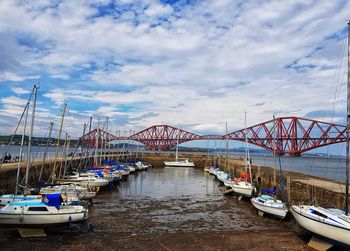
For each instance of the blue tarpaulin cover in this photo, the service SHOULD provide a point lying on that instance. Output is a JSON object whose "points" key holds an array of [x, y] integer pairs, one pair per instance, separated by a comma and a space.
{"points": [[53, 200], [273, 191], [99, 174]]}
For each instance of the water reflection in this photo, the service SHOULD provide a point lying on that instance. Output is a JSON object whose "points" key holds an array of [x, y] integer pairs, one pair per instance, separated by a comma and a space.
{"points": [[169, 182]]}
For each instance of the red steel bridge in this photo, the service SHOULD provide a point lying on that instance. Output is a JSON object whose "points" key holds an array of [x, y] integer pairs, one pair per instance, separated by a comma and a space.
{"points": [[283, 135]]}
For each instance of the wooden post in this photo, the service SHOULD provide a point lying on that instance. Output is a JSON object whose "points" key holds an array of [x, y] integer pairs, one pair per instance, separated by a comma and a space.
{"points": [[258, 175], [288, 190], [274, 177]]}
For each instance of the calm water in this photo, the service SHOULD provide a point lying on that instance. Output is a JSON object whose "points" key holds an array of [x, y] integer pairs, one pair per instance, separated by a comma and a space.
{"points": [[324, 167], [331, 168], [173, 199], [170, 182]]}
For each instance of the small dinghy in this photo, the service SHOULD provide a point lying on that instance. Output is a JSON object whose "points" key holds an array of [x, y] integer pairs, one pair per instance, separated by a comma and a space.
{"points": [[45, 213]]}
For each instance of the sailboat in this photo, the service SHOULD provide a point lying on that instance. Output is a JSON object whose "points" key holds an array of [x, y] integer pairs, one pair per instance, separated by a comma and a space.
{"points": [[268, 204], [181, 162], [48, 212], [7, 198], [28, 211], [331, 223], [85, 179], [241, 186]]}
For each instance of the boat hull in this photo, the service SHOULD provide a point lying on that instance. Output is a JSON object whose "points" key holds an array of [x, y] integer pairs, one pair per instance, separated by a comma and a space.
{"points": [[247, 192], [275, 211], [35, 220], [323, 229], [180, 164]]}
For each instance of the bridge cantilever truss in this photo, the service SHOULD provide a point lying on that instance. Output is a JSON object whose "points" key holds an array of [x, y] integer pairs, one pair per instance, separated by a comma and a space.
{"points": [[291, 135], [282, 135], [163, 137]]}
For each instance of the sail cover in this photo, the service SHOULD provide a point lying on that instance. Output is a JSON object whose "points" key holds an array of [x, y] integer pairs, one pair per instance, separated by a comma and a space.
{"points": [[53, 200]]}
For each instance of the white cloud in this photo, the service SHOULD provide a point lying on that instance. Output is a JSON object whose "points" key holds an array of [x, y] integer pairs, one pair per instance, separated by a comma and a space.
{"points": [[12, 100], [10, 76], [19, 90], [156, 10]]}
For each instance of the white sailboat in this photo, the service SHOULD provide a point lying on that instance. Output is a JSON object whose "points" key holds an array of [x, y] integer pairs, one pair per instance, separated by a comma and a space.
{"points": [[45, 213], [180, 162], [222, 176], [7, 198], [241, 186], [84, 179], [29, 211], [268, 204], [333, 224], [68, 190]]}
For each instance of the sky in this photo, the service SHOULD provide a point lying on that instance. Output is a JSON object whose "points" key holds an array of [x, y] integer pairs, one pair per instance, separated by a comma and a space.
{"points": [[190, 64]]}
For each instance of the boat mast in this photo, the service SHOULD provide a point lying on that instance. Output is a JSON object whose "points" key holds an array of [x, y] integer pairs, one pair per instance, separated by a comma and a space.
{"points": [[103, 134], [58, 144], [21, 148], [347, 131], [106, 140], [30, 139], [177, 145], [226, 164], [88, 145], [247, 161], [45, 153], [278, 147], [65, 153], [96, 142]]}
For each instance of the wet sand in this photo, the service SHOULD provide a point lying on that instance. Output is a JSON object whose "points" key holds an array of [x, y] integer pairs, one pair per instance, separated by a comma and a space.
{"points": [[167, 209]]}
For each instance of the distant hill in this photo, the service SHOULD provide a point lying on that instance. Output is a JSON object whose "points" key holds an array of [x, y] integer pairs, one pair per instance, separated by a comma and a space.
{"points": [[36, 141]]}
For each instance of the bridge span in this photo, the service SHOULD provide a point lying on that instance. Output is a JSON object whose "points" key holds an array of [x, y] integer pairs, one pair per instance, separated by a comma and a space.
{"points": [[283, 135]]}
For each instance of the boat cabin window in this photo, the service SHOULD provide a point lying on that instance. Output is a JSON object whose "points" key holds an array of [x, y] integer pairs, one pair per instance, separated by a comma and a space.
{"points": [[319, 214], [37, 209]]}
